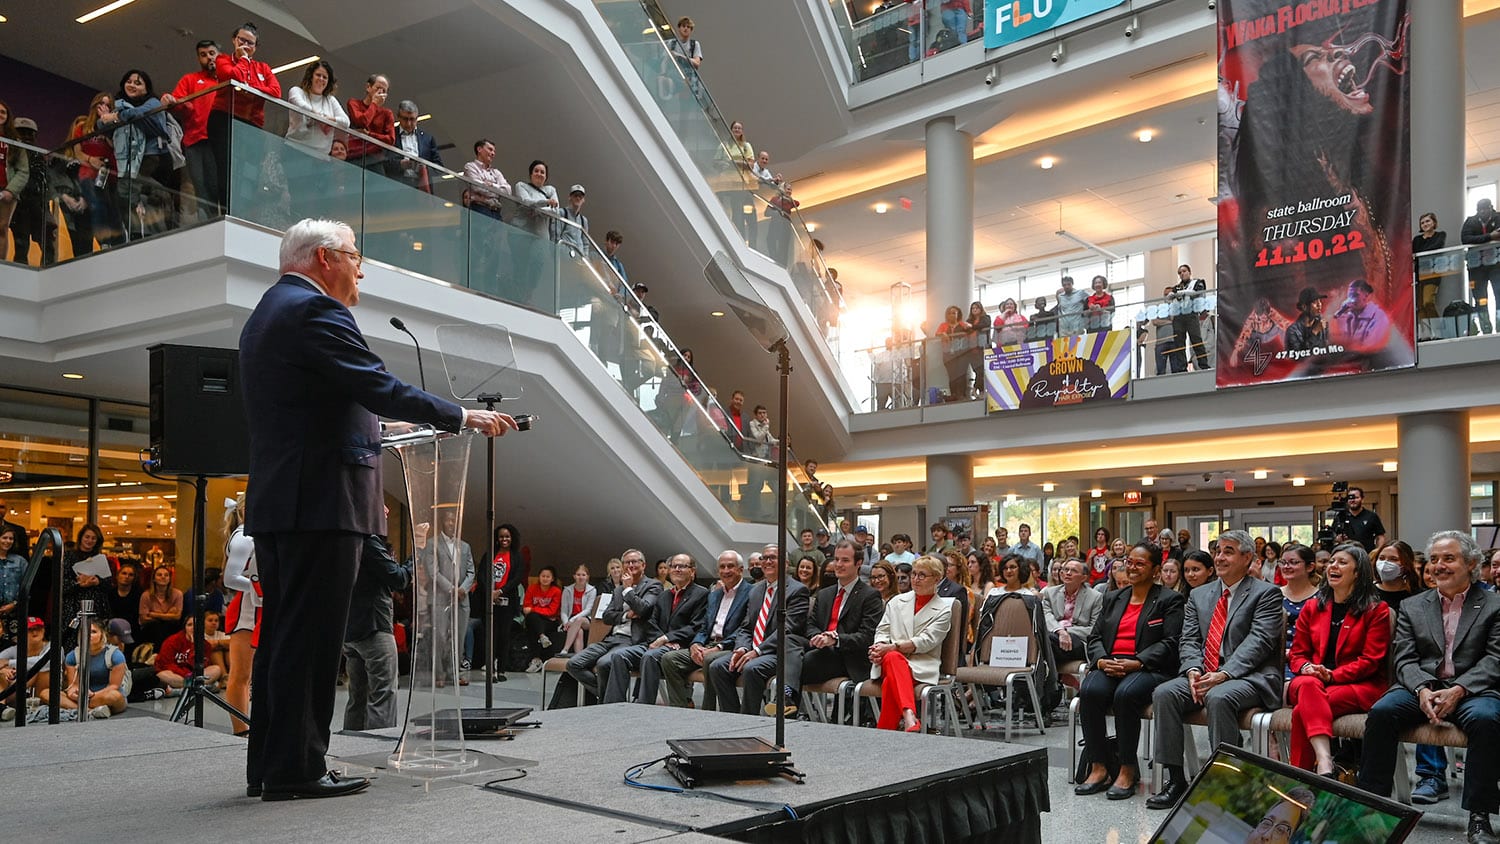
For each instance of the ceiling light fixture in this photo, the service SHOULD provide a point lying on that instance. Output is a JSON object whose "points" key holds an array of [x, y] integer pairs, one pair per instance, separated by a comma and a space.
{"points": [[881, 207], [1010, 500], [1067, 235], [864, 505], [73, 376], [715, 313], [4, 19], [1260, 474], [103, 10], [1048, 486], [296, 64], [1148, 481], [884, 496], [1389, 466], [1047, 162], [422, 117], [812, 227], [1146, 136], [1096, 493], [1299, 481]]}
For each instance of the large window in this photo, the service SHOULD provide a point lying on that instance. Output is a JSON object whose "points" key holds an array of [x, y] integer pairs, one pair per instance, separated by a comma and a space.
{"points": [[1482, 502], [1051, 519]]}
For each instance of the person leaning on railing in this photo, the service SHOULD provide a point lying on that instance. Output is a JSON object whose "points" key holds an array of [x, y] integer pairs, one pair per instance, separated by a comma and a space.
{"points": [[96, 175], [147, 147], [370, 116], [239, 65], [317, 94]]}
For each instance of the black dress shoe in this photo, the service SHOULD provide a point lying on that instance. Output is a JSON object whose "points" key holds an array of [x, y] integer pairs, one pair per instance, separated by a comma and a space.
{"points": [[330, 785], [1168, 796], [1117, 793], [1479, 831], [1084, 789], [252, 791]]}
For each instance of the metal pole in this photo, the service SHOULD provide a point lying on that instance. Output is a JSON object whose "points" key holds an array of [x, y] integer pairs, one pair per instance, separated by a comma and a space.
{"points": [[488, 577], [55, 688], [784, 368], [85, 633], [200, 508]]}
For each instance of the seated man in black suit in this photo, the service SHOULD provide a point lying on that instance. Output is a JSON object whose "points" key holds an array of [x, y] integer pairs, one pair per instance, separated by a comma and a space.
{"points": [[722, 616], [755, 651], [632, 612], [679, 610], [1231, 660], [843, 622], [1446, 667]]}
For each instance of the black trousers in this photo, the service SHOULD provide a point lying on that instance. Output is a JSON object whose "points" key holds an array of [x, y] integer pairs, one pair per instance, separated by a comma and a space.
{"points": [[1128, 696], [306, 579], [819, 665]]}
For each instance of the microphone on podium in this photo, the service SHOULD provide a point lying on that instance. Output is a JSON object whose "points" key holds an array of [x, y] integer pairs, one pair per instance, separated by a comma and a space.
{"points": [[397, 324]]}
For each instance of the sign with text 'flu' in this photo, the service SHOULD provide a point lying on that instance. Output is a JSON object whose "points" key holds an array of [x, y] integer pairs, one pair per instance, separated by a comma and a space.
{"points": [[1009, 21]]}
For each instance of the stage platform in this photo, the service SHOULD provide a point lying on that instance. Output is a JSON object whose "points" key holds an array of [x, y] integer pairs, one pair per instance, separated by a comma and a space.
{"points": [[142, 779]]}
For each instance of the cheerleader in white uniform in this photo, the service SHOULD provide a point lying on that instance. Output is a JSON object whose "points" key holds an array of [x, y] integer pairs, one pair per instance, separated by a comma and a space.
{"points": [[242, 618]]}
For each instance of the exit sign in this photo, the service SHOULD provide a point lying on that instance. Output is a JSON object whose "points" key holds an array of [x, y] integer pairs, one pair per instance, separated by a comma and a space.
{"points": [[1133, 496]]}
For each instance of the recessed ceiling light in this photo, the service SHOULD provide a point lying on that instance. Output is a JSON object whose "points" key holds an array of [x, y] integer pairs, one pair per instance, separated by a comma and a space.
{"points": [[72, 376], [864, 505], [715, 313], [422, 117], [1260, 474], [1299, 481], [1047, 163], [1010, 499], [103, 10], [812, 227], [881, 207], [884, 496], [296, 64], [1148, 481], [1146, 135], [1048, 486], [416, 246], [1096, 493], [1389, 466], [4, 19]]}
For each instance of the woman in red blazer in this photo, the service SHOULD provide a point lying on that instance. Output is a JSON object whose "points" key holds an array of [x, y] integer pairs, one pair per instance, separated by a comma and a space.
{"points": [[1338, 655]]}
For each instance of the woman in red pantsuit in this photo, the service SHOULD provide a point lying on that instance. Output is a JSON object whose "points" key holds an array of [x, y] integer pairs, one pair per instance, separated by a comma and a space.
{"points": [[1338, 655], [908, 646]]}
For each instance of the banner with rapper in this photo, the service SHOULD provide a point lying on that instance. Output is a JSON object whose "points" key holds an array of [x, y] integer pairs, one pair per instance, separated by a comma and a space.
{"points": [[1314, 189]]}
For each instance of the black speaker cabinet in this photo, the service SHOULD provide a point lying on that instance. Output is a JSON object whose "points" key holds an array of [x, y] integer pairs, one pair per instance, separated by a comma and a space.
{"points": [[197, 414]]}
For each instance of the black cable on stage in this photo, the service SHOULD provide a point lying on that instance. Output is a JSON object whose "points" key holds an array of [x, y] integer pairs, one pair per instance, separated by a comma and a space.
{"points": [[633, 773], [520, 773]]}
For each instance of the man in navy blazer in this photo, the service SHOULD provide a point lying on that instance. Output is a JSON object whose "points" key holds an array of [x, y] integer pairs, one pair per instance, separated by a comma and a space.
{"points": [[722, 616], [755, 650], [415, 142], [679, 614], [312, 392]]}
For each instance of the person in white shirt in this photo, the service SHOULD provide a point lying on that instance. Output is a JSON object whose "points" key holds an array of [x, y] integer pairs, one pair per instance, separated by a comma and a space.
{"points": [[317, 95]]}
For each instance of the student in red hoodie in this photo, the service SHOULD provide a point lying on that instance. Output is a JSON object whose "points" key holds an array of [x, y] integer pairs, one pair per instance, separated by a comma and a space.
{"points": [[238, 64]]}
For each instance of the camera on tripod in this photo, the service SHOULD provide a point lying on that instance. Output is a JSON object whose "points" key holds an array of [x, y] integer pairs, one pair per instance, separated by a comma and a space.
{"points": [[1337, 514]]}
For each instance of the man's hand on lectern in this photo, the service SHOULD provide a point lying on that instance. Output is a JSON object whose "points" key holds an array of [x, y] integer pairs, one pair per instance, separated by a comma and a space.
{"points": [[491, 423]]}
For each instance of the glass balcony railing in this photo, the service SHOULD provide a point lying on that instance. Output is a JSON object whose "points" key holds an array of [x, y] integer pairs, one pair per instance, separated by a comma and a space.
{"points": [[1456, 291], [882, 37], [418, 216], [762, 208]]}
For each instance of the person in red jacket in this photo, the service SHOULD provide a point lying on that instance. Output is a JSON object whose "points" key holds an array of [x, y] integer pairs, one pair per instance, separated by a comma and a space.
{"points": [[369, 116], [193, 114], [543, 608], [238, 65], [174, 662], [1338, 655]]}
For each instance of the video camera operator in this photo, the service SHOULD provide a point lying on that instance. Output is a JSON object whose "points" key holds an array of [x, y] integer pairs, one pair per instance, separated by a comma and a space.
{"points": [[1355, 523]]}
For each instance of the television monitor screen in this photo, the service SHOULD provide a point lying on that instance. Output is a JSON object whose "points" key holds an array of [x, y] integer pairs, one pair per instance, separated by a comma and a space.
{"points": [[1242, 798]]}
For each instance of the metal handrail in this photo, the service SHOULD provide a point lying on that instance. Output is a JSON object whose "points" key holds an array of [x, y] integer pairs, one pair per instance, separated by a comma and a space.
{"points": [[50, 540]]}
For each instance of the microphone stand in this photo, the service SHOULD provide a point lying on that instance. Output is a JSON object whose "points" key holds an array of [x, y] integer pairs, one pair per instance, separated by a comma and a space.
{"points": [[488, 578], [397, 324]]}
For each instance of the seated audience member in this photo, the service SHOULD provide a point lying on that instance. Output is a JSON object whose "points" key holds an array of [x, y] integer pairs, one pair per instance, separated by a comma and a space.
{"points": [[807, 573], [161, 608], [981, 572], [1197, 569], [542, 609], [902, 553], [125, 596], [1446, 667], [105, 675], [903, 578], [578, 601], [1118, 578], [1171, 577], [1072, 611], [1098, 557], [723, 613], [755, 642], [908, 647], [1396, 569], [841, 626], [1230, 661], [1299, 578], [632, 614], [11, 666], [883, 579], [174, 663], [1132, 649], [1338, 655], [956, 572], [679, 615], [1015, 575]]}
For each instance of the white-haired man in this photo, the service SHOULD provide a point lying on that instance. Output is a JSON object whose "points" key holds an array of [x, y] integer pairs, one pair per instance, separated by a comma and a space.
{"points": [[313, 393]]}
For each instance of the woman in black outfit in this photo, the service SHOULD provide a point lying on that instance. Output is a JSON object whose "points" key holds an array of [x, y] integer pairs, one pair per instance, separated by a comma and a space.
{"points": [[1132, 649], [79, 587], [1428, 237]]}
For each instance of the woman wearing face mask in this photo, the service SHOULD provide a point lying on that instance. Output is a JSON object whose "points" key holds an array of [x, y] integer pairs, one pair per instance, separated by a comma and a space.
{"points": [[1396, 571]]}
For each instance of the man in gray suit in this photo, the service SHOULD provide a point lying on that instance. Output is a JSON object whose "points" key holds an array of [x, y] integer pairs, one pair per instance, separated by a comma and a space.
{"points": [[1072, 610], [1446, 667], [632, 612], [755, 652], [1231, 660]]}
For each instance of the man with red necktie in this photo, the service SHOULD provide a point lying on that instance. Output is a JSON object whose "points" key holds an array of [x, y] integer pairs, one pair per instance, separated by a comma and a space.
{"points": [[1231, 657], [843, 622], [755, 651]]}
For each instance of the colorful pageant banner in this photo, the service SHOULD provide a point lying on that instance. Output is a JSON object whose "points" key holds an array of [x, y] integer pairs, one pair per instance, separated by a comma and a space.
{"points": [[1315, 267], [1058, 373]]}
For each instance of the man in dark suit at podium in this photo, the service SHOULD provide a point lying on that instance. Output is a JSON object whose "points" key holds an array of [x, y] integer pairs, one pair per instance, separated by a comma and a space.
{"points": [[312, 392]]}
